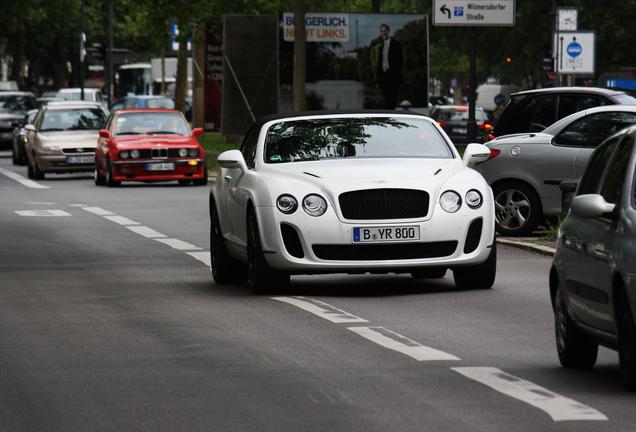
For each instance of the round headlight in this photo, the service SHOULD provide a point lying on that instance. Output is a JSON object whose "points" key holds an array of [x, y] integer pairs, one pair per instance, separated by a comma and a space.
{"points": [[287, 204], [473, 199], [314, 205], [193, 152], [450, 201], [123, 155], [134, 154], [183, 152]]}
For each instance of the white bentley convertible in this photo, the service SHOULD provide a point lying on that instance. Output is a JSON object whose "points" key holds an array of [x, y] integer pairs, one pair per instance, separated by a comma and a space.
{"points": [[350, 193]]}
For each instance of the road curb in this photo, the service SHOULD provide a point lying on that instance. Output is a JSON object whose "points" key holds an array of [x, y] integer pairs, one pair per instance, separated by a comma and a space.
{"points": [[532, 247]]}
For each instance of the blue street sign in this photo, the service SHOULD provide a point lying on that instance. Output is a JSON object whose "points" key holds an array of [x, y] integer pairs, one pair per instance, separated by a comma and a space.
{"points": [[574, 49]]}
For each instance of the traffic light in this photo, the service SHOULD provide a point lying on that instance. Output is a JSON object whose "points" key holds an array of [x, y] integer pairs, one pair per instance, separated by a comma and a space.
{"points": [[508, 59]]}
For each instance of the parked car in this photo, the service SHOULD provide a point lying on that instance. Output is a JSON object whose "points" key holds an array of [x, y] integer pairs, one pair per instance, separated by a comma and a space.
{"points": [[13, 107], [149, 145], [534, 110], [141, 102], [525, 170], [454, 120], [63, 138], [311, 193], [592, 283], [18, 149], [75, 94]]}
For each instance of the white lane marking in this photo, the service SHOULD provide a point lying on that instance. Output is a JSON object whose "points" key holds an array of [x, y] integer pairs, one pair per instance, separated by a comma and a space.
{"points": [[204, 257], [78, 205], [177, 244], [42, 213], [556, 406], [396, 342], [98, 211], [24, 181], [40, 203], [121, 220], [145, 231], [321, 309]]}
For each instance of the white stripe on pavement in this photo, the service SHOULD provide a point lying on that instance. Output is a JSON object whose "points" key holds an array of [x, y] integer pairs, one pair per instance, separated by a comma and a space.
{"points": [[24, 181], [177, 244], [556, 406], [121, 220], [396, 342], [42, 213], [98, 211], [145, 231], [77, 205], [40, 202], [321, 309], [204, 257]]}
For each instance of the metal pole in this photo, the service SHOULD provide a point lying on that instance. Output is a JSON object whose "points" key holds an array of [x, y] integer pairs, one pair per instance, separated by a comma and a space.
{"points": [[82, 51], [109, 54], [472, 126], [428, 61], [555, 48]]}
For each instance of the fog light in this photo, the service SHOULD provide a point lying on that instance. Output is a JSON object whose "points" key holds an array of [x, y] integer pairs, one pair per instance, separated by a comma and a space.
{"points": [[193, 163]]}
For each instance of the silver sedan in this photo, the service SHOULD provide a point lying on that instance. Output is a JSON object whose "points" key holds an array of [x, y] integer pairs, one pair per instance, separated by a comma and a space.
{"points": [[525, 170], [593, 276]]}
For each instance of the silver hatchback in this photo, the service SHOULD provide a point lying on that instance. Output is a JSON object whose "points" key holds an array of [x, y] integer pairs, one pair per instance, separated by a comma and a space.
{"points": [[525, 170], [593, 275]]}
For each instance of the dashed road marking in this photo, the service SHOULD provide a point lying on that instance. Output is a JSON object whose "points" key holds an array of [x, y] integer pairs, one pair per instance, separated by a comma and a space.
{"points": [[78, 205], [24, 181], [558, 407], [42, 213], [178, 244], [145, 231], [204, 257], [98, 211], [321, 309], [396, 342], [40, 203], [121, 220]]}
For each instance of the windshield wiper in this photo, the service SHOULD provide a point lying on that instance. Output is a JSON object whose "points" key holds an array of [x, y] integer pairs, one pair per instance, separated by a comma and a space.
{"points": [[52, 130], [163, 133], [127, 133]]}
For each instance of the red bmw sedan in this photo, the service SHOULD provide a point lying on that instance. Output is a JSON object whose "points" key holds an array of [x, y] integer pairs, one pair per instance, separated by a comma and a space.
{"points": [[149, 145]]}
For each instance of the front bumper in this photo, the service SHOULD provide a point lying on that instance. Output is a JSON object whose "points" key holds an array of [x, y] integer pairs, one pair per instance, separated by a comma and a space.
{"points": [[135, 170], [443, 242], [62, 163]]}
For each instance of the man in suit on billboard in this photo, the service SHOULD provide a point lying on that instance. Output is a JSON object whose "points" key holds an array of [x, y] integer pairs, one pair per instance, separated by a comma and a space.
{"points": [[389, 69]]}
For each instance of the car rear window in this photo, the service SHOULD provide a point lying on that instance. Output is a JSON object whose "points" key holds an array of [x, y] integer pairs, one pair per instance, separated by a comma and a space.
{"points": [[458, 114], [364, 137]]}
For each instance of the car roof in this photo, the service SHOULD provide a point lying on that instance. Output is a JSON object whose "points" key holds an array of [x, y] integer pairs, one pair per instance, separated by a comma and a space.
{"points": [[589, 90], [77, 90], [463, 107], [556, 126], [71, 104], [16, 93], [147, 110], [147, 97], [333, 114]]}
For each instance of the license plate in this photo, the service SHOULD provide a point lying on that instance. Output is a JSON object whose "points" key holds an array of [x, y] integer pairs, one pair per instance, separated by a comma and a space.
{"points": [[166, 166], [386, 234], [80, 159], [460, 130]]}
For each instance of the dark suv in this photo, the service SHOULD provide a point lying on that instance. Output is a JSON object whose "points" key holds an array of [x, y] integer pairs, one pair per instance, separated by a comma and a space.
{"points": [[534, 110]]}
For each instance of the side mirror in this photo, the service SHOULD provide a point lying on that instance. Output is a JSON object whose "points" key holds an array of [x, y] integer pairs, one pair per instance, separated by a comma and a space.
{"points": [[232, 159], [197, 132], [104, 133], [29, 128], [475, 153], [591, 206]]}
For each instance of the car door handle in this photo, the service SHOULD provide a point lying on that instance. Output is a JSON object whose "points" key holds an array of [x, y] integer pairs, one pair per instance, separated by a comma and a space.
{"points": [[227, 178]]}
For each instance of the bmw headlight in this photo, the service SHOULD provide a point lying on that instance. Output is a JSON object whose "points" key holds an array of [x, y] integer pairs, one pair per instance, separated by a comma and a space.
{"points": [[473, 199], [314, 205], [450, 201], [124, 155], [183, 152], [193, 152], [134, 154], [287, 204]]}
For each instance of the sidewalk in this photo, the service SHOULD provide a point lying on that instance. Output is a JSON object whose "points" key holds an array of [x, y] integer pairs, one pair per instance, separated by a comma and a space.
{"points": [[538, 244]]}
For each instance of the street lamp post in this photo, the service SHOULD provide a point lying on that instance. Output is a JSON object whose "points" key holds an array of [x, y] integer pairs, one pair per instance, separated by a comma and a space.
{"points": [[82, 65]]}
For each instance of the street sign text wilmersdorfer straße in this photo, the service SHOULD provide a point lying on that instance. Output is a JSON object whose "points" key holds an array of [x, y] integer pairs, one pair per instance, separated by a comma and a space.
{"points": [[473, 13]]}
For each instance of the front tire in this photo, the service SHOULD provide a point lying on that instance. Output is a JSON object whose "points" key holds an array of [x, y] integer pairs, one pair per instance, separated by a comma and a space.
{"points": [[98, 177], [517, 209], [109, 176], [480, 276], [225, 269], [34, 172], [261, 278], [626, 340], [575, 349]]}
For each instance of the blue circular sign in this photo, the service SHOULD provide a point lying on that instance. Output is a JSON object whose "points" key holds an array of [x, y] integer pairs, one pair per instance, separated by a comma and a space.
{"points": [[574, 49]]}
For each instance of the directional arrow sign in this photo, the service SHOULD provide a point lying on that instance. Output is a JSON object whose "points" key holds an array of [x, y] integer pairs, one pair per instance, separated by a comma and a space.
{"points": [[474, 12]]}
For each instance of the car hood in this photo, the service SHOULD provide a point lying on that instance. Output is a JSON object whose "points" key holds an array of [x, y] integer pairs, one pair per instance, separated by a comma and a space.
{"points": [[522, 138], [151, 141], [70, 139]]}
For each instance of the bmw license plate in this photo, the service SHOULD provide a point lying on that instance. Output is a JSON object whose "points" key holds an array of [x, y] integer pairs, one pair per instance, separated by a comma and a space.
{"points": [[165, 166], [460, 130], [80, 159], [386, 234]]}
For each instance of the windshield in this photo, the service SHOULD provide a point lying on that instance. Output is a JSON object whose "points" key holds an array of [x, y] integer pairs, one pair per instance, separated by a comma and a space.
{"points": [[73, 119], [76, 96], [16, 104], [459, 114], [160, 103], [169, 123], [371, 137]]}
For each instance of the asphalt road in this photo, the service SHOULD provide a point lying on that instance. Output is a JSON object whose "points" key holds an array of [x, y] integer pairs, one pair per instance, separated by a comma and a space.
{"points": [[109, 321]]}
